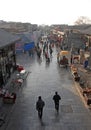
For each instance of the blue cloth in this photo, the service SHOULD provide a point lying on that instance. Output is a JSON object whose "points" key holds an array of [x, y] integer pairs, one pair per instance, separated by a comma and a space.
{"points": [[29, 46], [85, 63]]}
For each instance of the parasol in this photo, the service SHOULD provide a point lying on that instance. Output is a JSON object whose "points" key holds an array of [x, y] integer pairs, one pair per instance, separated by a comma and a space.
{"points": [[64, 52]]}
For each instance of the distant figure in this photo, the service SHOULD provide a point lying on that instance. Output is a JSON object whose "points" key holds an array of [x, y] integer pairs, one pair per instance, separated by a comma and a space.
{"points": [[39, 106], [51, 51], [71, 60], [56, 99], [58, 56], [86, 63]]}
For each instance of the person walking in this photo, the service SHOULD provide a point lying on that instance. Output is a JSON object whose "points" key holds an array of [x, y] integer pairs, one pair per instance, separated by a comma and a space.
{"points": [[51, 51], [56, 99], [39, 106]]}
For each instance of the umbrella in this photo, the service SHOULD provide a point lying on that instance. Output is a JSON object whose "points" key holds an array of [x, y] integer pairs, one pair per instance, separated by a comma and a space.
{"points": [[64, 52]]}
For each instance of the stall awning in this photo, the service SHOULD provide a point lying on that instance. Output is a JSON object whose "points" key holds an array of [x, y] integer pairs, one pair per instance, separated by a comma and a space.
{"points": [[64, 52]]}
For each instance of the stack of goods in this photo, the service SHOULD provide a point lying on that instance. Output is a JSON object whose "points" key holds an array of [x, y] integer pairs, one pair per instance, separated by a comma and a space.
{"points": [[75, 74], [2, 92], [20, 68], [9, 97]]}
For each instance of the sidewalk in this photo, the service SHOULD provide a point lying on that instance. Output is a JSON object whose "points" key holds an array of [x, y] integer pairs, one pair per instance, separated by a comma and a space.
{"points": [[84, 89], [73, 115], [6, 109], [85, 74]]}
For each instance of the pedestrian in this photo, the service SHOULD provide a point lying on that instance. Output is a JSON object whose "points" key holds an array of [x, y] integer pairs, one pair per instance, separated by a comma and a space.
{"points": [[56, 99], [58, 56], [51, 51], [39, 106]]}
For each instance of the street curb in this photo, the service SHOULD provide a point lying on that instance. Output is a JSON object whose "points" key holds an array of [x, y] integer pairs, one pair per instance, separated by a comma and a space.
{"points": [[78, 90]]}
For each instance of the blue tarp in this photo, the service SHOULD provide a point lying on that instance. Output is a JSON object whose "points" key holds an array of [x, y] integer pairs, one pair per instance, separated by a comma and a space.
{"points": [[29, 46]]}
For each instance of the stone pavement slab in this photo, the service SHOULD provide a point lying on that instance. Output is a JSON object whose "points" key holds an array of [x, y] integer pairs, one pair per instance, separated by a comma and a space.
{"points": [[45, 80]]}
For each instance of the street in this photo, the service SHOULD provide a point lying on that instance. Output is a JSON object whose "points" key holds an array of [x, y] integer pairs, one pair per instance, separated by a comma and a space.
{"points": [[44, 79]]}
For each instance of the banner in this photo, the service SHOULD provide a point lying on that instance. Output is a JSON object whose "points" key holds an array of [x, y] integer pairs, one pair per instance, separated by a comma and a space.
{"points": [[18, 47]]}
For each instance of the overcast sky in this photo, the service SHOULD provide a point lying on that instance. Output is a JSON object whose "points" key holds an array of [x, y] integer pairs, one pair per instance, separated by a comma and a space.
{"points": [[44, 11]]}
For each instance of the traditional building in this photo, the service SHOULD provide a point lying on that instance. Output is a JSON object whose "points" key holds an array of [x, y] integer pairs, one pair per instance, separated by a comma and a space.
{"points": [[7, 55]]}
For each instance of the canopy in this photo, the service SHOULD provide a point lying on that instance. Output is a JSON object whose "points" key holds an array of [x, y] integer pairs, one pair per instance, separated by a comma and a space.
{"points": [[61, 33], [64, 53]]}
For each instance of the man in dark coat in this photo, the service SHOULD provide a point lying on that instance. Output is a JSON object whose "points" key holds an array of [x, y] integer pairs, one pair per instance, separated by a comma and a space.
{"points": [[56, 99], [39, 106]]}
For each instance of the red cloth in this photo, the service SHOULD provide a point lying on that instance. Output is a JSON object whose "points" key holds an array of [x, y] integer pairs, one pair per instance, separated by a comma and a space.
{"points": [[20, 68]]}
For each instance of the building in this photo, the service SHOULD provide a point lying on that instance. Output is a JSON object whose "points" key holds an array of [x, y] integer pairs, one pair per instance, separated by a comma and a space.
{"points": [[7, 55]]}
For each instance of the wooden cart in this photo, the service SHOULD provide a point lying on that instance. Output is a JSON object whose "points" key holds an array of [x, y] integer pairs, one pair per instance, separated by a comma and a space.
{"points": [[9, 99]]}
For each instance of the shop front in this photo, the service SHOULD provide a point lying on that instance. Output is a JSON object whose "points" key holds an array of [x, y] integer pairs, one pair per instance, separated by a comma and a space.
{"points": [[7, 63], [7, 55]]}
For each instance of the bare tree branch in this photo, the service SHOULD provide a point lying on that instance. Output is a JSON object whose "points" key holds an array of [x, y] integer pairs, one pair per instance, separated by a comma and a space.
{"points": [[82, 20]]}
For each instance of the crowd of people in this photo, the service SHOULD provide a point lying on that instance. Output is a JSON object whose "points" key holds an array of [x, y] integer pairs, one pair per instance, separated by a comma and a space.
{"points": [[46, 49]]}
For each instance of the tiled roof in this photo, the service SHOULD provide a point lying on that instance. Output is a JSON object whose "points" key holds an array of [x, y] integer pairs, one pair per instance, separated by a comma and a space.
{"points": [[84, 29], [7, 38], [75, 40], [25, 37], [80, 27]]}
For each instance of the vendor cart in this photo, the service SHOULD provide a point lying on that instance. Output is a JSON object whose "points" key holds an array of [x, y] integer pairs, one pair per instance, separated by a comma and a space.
{"points": [[9, 99], [64, 58]]}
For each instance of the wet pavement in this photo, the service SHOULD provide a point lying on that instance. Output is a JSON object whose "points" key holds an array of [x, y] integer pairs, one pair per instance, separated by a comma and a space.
{"points": [[44, 80]]}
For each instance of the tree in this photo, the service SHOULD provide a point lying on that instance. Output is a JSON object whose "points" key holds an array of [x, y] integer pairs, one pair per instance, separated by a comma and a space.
{"points": [[82, 20]]}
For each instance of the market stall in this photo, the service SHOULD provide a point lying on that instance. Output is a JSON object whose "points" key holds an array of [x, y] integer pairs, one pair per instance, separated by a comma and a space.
{"points": [[75, 73], [63, 58]]}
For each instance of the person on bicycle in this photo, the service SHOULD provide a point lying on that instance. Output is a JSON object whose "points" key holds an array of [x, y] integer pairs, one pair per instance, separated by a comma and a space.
{"points": [[39, 106], [56, 99]]}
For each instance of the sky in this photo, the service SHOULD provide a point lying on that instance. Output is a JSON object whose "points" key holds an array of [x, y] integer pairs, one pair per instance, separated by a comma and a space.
{"points": [[44, 11]]}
